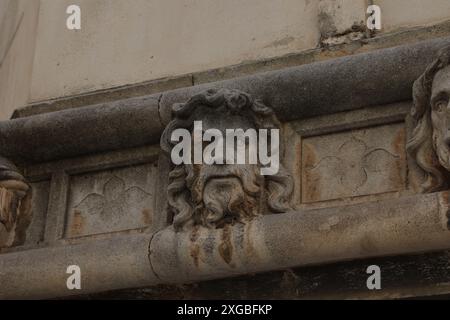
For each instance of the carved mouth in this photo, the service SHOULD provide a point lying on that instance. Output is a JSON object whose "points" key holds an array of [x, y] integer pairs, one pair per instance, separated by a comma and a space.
{"points": [[224, 198], [220, 196]]}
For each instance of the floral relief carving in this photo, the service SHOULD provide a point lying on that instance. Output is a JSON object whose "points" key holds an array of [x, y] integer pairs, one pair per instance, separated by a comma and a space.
{"points": [[349, 164], [353, 163], [113, 201]]}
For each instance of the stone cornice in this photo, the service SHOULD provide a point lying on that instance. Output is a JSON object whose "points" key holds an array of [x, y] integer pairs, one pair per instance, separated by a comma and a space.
{"points": [[406, 225], [379, 41], [294, 93]]}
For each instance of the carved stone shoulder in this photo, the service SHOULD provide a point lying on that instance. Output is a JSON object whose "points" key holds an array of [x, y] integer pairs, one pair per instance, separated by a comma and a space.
{"points": [[15, 209]]}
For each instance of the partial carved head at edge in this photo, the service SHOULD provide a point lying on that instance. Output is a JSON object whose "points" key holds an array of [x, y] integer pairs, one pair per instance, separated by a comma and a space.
{"points": [[429, 143]]}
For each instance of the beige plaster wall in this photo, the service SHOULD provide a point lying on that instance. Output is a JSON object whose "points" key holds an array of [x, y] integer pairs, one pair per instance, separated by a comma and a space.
{"points": [[18, 21], [401, 14], [128, 42], [124, 42]]}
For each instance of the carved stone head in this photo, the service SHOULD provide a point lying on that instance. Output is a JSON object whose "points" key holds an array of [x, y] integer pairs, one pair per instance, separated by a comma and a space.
{"points": [[15, 196], [429, 143], [214, 195]]}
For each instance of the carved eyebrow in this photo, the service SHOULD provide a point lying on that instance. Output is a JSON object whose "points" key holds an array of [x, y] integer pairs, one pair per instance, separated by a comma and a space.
{"points": [[442, 95]]}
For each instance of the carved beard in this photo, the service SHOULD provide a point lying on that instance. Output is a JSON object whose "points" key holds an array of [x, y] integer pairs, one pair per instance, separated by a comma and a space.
{"points": [[441, 149], [225, 193]]}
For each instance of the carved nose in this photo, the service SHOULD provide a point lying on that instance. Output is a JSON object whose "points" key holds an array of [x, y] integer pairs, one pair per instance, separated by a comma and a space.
{"points": [[447, 138]]}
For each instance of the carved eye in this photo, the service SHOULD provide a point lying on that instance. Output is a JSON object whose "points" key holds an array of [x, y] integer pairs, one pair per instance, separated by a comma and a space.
{"points": [[440, 106]]}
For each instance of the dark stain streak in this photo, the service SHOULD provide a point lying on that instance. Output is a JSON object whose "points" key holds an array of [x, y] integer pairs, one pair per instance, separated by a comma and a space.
{"points": [[195, 248], [448, 219], [226, 247], [146, 217], [447, 201], [77, 224], [195, 254]]}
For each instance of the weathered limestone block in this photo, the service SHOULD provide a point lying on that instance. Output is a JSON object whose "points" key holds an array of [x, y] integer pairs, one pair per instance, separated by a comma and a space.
{"points": [[269, 242], [96, 195], [354, 163], [107, 264], [306, 91], [111, 200], [307, 237]]}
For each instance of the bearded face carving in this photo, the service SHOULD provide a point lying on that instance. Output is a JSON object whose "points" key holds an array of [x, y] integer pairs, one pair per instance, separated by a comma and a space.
{"points": [[429, 144], [15, 210], [214, 195], [440, 116]]}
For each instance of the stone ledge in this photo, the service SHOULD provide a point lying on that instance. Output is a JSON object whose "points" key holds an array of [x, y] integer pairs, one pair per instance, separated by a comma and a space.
{"points": [[399, 226], [118, 262], [119, 125], [329, 87], [312, 237]]}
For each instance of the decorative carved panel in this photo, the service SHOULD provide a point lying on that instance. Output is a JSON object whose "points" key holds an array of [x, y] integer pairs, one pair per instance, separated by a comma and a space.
{"points": [[111, 200], [353, 163]]}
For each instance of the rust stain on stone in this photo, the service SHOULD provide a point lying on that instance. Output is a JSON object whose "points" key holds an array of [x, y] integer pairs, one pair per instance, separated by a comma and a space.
{"points": [[311, 179], [249, 249], [298, 151], [195, 254], [146, 217], [445, 202], [194, 247], [226, 247], [397, 176], [77, 224], [194, 234], [399, 142], [310, 158]]}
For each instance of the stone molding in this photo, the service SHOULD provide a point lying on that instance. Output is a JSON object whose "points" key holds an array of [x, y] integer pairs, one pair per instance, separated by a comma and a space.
{"points": [[294, 93], [264, 244]]}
